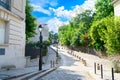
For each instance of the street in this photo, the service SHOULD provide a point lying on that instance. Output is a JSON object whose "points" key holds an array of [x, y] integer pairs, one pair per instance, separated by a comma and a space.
{"points": [[70, 69]]}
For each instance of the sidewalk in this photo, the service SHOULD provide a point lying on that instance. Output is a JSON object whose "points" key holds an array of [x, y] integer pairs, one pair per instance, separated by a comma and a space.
{"points": [[33, 67], [90, 60]]}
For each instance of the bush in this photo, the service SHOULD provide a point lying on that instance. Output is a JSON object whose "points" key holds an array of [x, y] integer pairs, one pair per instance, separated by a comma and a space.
{"points": [[36, 46], [116, 64]]}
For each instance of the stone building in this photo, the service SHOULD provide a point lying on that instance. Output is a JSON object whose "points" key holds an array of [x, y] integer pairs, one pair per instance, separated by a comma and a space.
{"points": [[116, 7], [12, 33], [45, 33]]}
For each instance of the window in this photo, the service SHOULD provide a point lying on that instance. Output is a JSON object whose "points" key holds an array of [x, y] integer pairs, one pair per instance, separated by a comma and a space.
{"points": [[5, 4], [2, 32]]}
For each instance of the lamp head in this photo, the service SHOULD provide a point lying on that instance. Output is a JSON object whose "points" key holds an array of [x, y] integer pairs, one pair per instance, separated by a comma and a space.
{"points": [[40, 28]]}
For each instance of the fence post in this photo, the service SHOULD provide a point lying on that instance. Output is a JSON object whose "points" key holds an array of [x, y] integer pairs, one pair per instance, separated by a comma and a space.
{"points": [[101, 71], [95, 67], [112, 74]]}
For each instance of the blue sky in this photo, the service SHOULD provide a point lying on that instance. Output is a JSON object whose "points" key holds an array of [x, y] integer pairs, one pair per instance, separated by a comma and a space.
{"points": [[58, 12]]}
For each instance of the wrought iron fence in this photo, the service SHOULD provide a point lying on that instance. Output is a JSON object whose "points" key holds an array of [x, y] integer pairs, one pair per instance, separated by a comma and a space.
{"points": [[6, 4]]}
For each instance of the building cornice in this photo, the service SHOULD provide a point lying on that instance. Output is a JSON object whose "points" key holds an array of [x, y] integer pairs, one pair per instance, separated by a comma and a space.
{"points": [[10, 13]]}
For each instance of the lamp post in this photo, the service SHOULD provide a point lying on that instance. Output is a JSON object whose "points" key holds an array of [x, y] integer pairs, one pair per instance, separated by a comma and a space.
{"points": [[57, 48], [40, 57]]}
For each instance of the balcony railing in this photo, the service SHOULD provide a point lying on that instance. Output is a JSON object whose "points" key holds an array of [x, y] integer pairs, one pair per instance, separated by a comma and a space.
{"points": [[6, 4]]}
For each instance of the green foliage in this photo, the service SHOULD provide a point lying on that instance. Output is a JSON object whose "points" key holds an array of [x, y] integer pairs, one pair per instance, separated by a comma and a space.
{"points": [[44, 52], [113, 36], [37, 44], [98, 30], [97, 33], [103, 8], [76, 39], [65, 34], [105, 34], [46, 44], [76, 32], [116, 64], [30, 21], [53, 36]]}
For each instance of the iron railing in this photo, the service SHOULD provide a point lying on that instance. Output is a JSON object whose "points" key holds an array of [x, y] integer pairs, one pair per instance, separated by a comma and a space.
{"points": [[6, 4]]}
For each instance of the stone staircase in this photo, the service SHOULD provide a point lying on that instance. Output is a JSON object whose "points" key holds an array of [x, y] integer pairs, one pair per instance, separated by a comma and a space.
{"points": [[31, 76]]}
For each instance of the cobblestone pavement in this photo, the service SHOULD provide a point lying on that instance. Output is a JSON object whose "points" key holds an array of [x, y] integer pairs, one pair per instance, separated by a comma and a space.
{"points": [[90, 60], [71, 69]]}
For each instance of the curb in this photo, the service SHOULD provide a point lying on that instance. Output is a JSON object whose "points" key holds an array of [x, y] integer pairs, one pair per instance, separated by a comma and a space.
{"points": [[25, 75], [42, 74], [32, 75], [15, 76]]}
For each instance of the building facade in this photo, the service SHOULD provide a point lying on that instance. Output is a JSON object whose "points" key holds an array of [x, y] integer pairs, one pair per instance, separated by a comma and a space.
{"points": [[116, 7], [12, 33], [45, 33]]}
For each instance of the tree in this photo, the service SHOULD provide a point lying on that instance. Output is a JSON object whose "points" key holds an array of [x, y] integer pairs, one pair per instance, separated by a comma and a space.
{"points": [[30, 21], [97, 34], [113, 35], [104, 8], [53, 36], [76, 32]]}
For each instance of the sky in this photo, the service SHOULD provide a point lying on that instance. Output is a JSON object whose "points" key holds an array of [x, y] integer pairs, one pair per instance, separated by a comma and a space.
{"points": [[55, 13]]}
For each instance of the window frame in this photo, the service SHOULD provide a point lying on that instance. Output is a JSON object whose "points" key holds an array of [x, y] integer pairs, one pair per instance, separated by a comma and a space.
{"points": [[6, 37], [6, 4]]}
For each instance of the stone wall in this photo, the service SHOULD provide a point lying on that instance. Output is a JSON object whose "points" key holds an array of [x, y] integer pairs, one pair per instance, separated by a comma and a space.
{"points": [[14, 35]]}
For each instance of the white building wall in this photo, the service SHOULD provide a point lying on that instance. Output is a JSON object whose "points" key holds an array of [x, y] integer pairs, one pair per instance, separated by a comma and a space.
{"points": [[45, 34], [116, 7], [15, 36]]}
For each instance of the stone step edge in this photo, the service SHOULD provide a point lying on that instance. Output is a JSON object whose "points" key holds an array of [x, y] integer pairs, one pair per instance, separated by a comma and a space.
{"points": [[16, 76], [32, 75], [42, 74], [24, 75]]}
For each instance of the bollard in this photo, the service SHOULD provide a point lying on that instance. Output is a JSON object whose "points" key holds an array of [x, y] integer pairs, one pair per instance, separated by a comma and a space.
{"points": [[73, 54], [51, 63], [56, 61], [101, 71], [98, 67], [79, 58], [95, 68], [85, 64], [82, 59], [112, 74]]}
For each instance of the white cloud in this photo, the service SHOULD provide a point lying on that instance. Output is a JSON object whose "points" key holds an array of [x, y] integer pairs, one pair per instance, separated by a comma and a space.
{"points": [[89, 4], [53, 2], [54, 24], [40, 9], [45, 3], [62, 12]]}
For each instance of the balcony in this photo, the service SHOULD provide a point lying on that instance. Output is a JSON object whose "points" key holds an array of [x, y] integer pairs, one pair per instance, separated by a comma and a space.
{"points": [[6, 4]]}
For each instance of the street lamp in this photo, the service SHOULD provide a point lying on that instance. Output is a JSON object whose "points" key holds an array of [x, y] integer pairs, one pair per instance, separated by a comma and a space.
{"points": [[40, 57], [57, 48]]}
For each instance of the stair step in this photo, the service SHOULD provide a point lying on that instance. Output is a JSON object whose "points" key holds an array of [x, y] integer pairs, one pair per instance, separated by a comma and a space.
{"points": [[12, 77], [36, 77], [25, 77]]}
